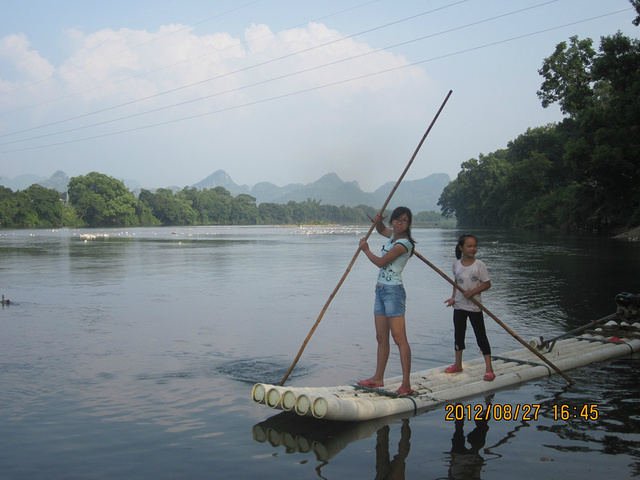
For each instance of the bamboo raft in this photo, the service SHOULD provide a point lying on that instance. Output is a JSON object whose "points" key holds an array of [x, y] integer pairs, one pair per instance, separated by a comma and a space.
{"points": [[433, 387]]}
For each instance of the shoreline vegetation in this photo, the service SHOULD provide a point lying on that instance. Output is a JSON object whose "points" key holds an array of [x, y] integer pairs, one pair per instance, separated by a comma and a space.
{"points": [[580, 175], [97, 200], [631, 235]]}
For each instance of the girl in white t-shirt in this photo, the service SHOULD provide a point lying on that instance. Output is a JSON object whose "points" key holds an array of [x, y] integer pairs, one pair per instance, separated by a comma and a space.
{"points": [[470, 274]]}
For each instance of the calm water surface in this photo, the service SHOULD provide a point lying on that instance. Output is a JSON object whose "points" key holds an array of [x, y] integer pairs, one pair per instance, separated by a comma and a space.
{"points": [[132, 355]]}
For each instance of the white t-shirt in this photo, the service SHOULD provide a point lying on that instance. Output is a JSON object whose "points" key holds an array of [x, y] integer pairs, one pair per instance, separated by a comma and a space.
{"points": [[469, 278]]}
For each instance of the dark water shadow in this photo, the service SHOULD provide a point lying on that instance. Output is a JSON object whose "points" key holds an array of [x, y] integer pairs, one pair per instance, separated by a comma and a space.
{"points": [[259, 371]]}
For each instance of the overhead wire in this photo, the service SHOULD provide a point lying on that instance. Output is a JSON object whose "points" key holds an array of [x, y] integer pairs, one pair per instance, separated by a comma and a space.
{"points": [[315, 88], [188, 60], [390, 47], [250, 67], [155, 39]]}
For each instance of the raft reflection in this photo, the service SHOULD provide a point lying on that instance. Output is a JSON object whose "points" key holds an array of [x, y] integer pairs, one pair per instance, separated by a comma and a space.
{"points": [[323, 438], [326, 439]]}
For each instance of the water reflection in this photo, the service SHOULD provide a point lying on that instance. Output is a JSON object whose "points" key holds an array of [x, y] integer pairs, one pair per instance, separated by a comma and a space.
{"points": [[387, 469], [466, 462], [324, 439], [614, 434], [613, 391]]}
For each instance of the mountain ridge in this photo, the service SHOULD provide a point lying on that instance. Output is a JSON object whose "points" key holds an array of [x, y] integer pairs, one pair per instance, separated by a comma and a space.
{"points": [[418, 195]]}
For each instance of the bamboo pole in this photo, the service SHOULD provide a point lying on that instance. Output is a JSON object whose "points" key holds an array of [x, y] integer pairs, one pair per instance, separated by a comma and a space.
{"points": [[498, 321], [355, 256]]}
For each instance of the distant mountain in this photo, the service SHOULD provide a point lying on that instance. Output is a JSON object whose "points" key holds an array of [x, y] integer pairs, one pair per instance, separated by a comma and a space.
{"points": [[220, 178], [58, 181], [330, 189], [20, 182], [418, 195], [265, 192], [132, 185]]}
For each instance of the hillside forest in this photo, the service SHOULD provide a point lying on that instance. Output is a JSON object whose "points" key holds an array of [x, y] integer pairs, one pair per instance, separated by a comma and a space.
{"points": [[97, 200], [581, 175]]}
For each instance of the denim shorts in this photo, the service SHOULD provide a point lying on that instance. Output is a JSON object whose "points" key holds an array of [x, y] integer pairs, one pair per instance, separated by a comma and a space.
{"points": [[390, 300]]}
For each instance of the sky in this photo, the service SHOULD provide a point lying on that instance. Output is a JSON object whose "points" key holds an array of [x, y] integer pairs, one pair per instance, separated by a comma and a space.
{"points": [[281, 91]]}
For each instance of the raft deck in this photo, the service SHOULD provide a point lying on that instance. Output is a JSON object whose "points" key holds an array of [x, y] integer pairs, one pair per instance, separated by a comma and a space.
{"points": [[433, 387]]}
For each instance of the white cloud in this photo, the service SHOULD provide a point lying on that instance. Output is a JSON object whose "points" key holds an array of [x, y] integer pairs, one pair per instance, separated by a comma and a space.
{"points": [[27, 62], [267, 103], [300, 136]]}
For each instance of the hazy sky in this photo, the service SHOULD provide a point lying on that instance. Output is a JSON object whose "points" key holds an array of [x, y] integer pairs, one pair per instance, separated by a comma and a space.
{"points": [[166, 92]]}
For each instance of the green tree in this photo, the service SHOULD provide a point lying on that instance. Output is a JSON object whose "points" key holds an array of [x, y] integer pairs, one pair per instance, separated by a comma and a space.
{"points": [[213, 205], [568, 80], [19, 209], [601, 94], [244, 210], [46, 204], [548, 140], [469, 196], [636, 5], [525, 183], [8, 207], [100, 200], [271, 214], [168, 208]]}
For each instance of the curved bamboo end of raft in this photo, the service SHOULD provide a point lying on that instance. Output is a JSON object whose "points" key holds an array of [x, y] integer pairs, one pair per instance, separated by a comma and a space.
{"points": [[303, 404], [288, 401], [258, 393], [320, 407], [273, 398]]}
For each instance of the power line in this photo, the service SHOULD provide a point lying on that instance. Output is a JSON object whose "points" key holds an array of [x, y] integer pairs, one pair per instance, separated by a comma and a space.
{"points": [[80, 67], [250, 67], [319, 87], [217, 51], [259, 83]]}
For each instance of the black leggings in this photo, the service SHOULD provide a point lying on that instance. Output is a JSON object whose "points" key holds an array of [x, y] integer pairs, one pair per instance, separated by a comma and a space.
{"points": [[460, 329]]}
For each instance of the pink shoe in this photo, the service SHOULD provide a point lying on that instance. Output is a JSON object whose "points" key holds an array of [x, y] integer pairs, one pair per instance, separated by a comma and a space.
{"points": [[489, 377], [370, 384], [402, 391], [452, 369]]}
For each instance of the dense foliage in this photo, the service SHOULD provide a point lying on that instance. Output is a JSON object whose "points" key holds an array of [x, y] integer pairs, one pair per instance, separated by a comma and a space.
{"points": [[36, 206], [98, 200], [582, 174], [103, 201], [216, 206]]}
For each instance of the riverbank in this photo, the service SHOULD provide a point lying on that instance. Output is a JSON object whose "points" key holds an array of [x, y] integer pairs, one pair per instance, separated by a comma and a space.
{"points": [[632, 235]]}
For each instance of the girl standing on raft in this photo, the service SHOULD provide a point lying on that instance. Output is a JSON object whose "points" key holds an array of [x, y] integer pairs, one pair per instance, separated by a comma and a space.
{"points": [[390, 299], [471, 274]]}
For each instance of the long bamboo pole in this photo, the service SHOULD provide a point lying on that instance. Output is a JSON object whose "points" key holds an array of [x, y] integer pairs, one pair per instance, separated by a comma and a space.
{"points": [[355, 256], [498, 321]]}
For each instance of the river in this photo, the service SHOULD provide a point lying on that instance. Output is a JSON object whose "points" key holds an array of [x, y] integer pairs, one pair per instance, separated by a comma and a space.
{"points": [[131, 353]]}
